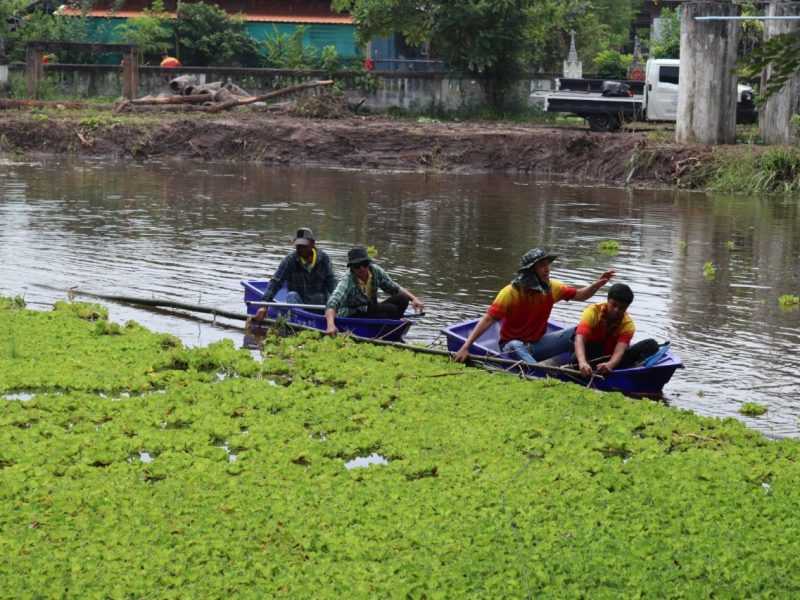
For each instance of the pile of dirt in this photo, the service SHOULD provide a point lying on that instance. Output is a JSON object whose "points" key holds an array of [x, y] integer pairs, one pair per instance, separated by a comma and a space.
{"points": [[353, 141]]}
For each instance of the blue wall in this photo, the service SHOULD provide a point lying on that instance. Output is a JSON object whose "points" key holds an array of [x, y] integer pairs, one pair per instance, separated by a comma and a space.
{"points": [[342, 37]]}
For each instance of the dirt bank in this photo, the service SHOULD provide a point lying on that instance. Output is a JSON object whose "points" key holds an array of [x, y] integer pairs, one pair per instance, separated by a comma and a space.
{"points": [[355, 141]]}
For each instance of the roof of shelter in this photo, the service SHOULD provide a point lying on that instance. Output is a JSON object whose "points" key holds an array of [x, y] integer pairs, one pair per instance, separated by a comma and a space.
{"points": [[269, 11]]}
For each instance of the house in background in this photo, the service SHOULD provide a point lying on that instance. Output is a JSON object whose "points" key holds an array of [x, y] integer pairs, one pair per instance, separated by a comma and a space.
{"points": [[262, 17]]}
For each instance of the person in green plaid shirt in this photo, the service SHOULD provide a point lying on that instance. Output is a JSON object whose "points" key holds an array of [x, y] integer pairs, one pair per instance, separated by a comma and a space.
{"points": [[307, 274], [356, 295]]}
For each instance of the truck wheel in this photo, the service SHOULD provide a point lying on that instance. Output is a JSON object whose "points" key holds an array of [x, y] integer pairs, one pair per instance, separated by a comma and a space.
{"points": [[604, 122]]}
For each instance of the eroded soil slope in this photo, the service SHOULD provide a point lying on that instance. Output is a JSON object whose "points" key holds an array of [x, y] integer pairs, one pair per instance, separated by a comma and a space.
{"points": [[356, 141]]}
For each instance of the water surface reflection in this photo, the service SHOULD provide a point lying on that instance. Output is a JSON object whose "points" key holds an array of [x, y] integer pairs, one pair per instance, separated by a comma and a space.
{"points": [[192, 232]]}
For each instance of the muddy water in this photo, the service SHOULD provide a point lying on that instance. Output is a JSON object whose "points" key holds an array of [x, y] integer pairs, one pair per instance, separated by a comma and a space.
{"points": [[192, 232]]}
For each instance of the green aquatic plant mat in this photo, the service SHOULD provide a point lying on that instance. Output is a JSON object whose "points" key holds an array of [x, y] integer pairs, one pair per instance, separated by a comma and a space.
{"points": [[494, 487], [74, 347]]}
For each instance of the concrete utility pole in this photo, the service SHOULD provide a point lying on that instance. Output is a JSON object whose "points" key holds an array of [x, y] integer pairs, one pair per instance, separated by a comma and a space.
{"points": [[707, 92], [776, 114]]}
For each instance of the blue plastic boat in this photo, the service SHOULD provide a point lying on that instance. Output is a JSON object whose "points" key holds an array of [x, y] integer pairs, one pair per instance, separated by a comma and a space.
{"points": [[389, 330], [646, 379]]}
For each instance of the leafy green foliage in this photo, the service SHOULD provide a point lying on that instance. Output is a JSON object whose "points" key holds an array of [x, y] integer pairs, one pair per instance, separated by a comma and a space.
{"points": [[494, 487], [16, 302], [610, 247], [612, 64], [752, 409], [598, 25], [287, 51], [789, 301], [668, 43], [782, 52], [477, 38], [209, 37], [151, 30], [709, 270]]}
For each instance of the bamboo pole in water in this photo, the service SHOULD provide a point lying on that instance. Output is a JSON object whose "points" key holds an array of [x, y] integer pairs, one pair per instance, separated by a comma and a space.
{"points": [[473, 360]]}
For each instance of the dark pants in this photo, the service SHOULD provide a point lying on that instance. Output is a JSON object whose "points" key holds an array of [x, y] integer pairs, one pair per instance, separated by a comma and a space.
{"points": [[391, 308], [634, 354]]}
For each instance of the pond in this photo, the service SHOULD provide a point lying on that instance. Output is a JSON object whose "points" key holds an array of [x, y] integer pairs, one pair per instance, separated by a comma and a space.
{"points": [[191, 232]]}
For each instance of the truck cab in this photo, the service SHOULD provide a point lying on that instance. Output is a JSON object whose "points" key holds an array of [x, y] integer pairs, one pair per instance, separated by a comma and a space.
{"points": [[661, 93], [661, 89]]}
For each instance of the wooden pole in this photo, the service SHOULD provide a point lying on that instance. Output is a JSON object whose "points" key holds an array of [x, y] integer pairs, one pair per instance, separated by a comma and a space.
{"points": [[262, 97], [33, 69], [473, 360]]}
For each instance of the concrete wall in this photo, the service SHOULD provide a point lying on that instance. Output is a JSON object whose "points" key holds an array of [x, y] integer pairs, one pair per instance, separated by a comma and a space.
{"points": [[412, 91]]}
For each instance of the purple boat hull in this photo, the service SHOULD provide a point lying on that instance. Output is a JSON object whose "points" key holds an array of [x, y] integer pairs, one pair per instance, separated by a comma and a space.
{"points": [[389, 330], [636, 381]]}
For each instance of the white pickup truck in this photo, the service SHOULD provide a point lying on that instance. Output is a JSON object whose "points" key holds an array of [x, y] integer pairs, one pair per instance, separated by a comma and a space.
{"points": [[606, 104]]}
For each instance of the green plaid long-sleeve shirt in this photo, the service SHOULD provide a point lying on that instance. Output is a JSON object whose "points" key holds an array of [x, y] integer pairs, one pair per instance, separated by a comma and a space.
{"points": [[348, 299]]}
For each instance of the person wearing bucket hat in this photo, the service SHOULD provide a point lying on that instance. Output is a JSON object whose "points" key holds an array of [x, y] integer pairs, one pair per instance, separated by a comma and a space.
{"points": [[307, 273], [606, 330], [523, 308], [356, 295]]}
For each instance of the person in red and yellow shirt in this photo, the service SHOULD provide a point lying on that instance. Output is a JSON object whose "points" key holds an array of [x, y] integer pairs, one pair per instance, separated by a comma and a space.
{"points": [[605, 332], [170, 61], [523, 308]]}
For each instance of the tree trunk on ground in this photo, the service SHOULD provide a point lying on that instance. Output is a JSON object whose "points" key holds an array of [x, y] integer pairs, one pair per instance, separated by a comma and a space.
{"points": [[775, 116], [707, 94]]}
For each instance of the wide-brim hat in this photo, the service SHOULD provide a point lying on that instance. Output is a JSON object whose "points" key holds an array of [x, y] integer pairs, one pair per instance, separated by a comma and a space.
{"points": [[303, 237], [357, 256], [531, 257]]}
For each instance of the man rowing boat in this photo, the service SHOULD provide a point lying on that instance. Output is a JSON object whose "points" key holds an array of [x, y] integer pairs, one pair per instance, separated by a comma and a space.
{"points": [[606, 329]]}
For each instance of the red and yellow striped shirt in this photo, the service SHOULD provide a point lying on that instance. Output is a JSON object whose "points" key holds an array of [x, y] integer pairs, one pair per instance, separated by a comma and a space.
{"points": [[524, 313], [594, 327]]}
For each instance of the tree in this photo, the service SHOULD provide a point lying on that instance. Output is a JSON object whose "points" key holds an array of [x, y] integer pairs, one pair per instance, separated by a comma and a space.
{"points": [[150, 31], [598, 25], [668, 42], [783, 52], [207, 36], [286, 50], [610, 64], [483, 39]]}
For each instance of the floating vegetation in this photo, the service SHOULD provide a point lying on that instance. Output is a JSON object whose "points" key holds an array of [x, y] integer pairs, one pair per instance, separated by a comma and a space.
{"points": [[730, 245], [752, 409], [682, 245], [709, 270], [493, 487], [610, 247], [789, 302]]}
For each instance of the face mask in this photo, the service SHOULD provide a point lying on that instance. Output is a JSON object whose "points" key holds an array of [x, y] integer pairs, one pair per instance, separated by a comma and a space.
{"points": [[528, 279]]}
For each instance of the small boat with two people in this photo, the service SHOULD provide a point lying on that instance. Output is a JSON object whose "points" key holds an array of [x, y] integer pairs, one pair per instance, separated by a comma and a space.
{"points": [[645, 379], [390, 330]]}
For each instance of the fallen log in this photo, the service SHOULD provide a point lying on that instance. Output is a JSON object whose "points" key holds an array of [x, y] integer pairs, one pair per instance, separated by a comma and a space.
{"points": [[281, 92]]}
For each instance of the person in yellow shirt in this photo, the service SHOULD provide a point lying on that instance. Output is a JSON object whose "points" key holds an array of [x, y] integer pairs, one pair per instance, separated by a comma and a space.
{"points": [[605, 332]]}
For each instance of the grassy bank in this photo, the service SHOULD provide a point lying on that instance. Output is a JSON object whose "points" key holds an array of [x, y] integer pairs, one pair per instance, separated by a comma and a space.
{"points": [[133, 467]]}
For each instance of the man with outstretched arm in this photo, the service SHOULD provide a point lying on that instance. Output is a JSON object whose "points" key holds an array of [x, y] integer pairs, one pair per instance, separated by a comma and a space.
{"points": [[524, 306], [307, 273], [605, 332]]}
